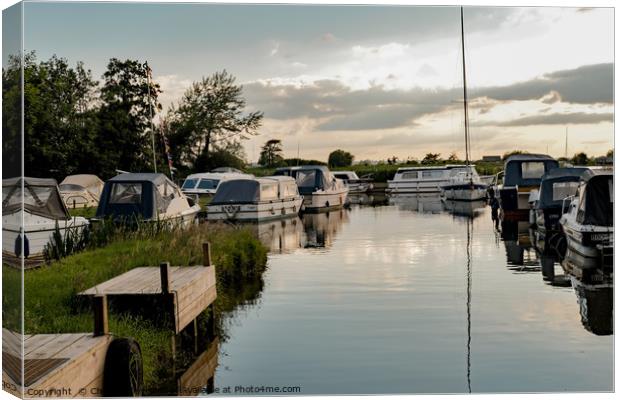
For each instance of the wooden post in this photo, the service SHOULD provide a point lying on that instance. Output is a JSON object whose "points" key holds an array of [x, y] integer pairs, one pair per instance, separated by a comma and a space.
{"points": [[73, 203], [206, 254], [164, 270], [100, 311]]}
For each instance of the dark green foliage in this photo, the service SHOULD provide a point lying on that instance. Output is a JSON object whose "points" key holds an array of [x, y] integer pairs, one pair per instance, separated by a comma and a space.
{"points": [[340, 158], [431, 158], [511, 153], [580, 158], [291, 162], [210, 116], [271, 154], [64, 244]]}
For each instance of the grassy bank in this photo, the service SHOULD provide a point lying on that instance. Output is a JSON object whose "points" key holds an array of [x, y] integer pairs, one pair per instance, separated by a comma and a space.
{"points": [[385, 172], [50, 302]]}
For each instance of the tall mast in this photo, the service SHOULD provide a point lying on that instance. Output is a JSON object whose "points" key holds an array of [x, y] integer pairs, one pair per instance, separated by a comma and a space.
{"points": [[465, 93]]}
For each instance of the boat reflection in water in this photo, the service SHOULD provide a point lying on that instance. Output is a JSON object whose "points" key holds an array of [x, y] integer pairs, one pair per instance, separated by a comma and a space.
{"points": [[520, 253], [548, 265], [363, 199], [423, 204], [280, 236], [321, 229], [470, 209], [596, 303]]}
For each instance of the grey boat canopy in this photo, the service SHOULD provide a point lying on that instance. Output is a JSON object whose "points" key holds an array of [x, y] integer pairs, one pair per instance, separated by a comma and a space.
{"points": [[527, 169], [40, 197], [596, 205], [250, 191], [227, 170], [558, 184], [309, 178], [135, 195]]}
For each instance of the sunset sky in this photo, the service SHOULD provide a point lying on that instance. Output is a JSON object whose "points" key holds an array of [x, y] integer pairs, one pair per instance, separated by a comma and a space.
{"points": [[378, 81]]}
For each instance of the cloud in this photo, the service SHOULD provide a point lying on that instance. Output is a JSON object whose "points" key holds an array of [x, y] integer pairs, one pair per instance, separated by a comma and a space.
{"points": [[553, 119], [584, 85]]}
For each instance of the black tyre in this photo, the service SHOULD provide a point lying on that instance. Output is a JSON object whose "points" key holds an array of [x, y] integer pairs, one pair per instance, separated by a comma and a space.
{"points": [[122, 374]]}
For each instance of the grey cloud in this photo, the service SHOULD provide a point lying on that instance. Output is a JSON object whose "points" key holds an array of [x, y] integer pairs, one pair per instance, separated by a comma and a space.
{"points": [[342, 108], [554, 119]]}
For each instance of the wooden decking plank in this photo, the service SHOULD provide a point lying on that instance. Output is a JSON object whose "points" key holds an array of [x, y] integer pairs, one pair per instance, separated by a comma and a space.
{"points": [[192, 310], [38, 341], [11, 342], [51, 349]]}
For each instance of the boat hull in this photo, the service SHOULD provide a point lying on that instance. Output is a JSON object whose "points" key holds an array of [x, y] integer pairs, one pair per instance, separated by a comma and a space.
{"points": [[324, 201], [465, 192], [259, 211]]}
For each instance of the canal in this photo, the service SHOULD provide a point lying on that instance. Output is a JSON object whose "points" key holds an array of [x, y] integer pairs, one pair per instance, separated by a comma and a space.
{"points": [[411, 297]]}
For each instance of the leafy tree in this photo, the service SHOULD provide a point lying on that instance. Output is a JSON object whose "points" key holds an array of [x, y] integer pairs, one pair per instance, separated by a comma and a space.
{"points": [[340, 158], [209, 116], [431, 158], [291, 162], [610, 153], [453, 157], [271, 153], [58, 116], [580, 159], [129, 99]]}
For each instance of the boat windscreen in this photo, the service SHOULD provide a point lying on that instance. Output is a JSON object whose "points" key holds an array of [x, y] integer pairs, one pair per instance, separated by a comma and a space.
{"points": [[126, 193], [208, 184], [69, 187], [44, 201], [189, 183], [237, 191]]}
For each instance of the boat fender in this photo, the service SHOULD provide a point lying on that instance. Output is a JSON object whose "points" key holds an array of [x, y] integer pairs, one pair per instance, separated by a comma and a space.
{"points": [[18, 246]]}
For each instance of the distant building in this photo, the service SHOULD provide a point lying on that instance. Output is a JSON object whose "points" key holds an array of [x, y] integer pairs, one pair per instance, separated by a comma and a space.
{"points": [[491, 158]]}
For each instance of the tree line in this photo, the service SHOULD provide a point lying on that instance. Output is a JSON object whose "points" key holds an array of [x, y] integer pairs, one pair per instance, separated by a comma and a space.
{"points": [[76, 124]]}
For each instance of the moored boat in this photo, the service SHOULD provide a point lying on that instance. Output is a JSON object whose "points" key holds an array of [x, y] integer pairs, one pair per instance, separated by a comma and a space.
{"points": [[256, 199], [421, 180], [321, 190], [522, 174], [205, 184], [146, 197], [83, 190], [354, 182], [42, 210], [588, 222]]}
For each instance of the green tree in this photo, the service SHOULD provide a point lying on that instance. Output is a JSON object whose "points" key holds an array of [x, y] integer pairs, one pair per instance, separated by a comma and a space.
{"points": [[340, 158], [610, 153], [580, 159], [59, 124], [129, 99], [431, 158], [271, 153], [210, 116], [453, 157]]}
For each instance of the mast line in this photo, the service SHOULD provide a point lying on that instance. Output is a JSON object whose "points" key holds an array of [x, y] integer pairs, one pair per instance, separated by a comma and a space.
{"points": [[465, 92]]}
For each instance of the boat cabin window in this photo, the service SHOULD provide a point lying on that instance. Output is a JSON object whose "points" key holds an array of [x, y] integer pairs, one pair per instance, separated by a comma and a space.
{"points": [[69, 187], [344, 177], [410, 175], [562, 190], [532, 170], [269, 191], [306, 178], [126, 193], [189, 183], [432, 174], [289, 190], [208, 184]]}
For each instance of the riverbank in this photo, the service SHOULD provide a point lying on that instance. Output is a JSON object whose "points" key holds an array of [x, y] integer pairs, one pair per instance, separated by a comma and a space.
{"points": [[385, 172], [50, 291]]}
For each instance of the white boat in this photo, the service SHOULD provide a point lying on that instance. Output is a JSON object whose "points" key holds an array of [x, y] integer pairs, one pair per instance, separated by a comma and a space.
{"points": [[146, 197], [43, 211], [321, 190], [420, 180], [206, 183], [79, 191], [354, 182], [255, 199], [465, 185], [588, 222]]}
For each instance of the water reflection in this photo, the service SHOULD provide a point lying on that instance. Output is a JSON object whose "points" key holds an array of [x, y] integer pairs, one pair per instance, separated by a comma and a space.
{"points": [[423, 204], [471, 209], [595, 306], [280, 236], [363, 199], [520, 254], [320, 230]]}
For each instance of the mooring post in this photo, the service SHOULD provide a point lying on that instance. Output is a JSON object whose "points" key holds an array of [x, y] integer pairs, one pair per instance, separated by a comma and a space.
{"points": [[206, 254], [164, 270], [100, 312]]}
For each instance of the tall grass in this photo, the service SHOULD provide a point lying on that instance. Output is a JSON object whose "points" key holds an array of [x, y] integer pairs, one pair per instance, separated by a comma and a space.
{"points": [[50, 291]]}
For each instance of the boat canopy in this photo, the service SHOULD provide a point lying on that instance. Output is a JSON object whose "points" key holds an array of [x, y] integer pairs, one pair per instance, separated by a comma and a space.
{"points": [[309, 178], [527, 169], [558, 184], [136, 194], [596, 198], [242, 191], [227, 170], [41, 197], [91, 183]]}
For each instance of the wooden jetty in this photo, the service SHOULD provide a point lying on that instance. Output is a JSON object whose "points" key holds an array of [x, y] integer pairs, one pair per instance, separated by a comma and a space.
{"points": [[184, 292], [64, 365], [200, 375]]}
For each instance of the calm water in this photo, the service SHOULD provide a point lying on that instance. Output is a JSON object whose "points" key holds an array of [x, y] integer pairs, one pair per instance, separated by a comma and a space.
{"points": [[410, 298]]}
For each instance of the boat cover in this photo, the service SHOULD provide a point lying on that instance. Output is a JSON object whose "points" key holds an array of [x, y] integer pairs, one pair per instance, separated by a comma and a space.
{"points": [[41, 197], [596, 202], [555, 186], [309, 178], [91, 183], [237, 191], [514, 173]]}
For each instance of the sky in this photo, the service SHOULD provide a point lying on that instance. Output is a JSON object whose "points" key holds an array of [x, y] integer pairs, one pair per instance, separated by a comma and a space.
{"points": [[378, 81]]}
